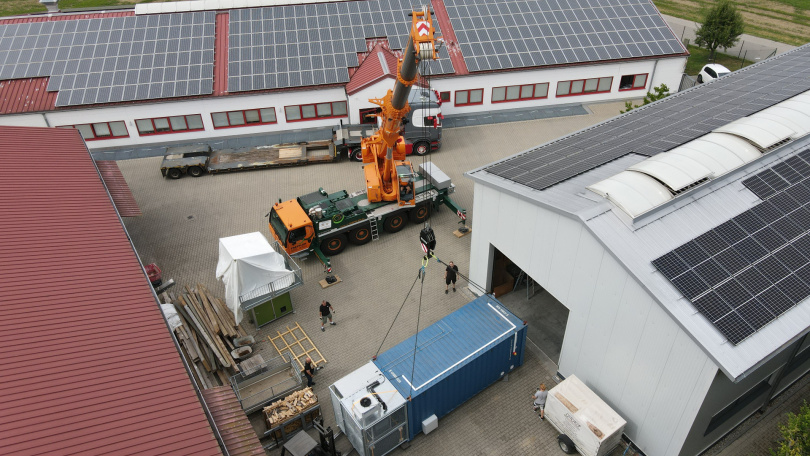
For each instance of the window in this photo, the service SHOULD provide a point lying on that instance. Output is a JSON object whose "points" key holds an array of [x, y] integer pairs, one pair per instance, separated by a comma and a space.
{"points": [[315, 111], [584, 86], [366, 117], [469, 97], [172, 124], [244, 118], [521, 92], [101, 130], [633, 82], [444, 96]]}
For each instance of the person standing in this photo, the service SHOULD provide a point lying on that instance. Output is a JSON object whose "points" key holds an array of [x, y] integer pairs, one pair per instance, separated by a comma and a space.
{"points": [[540, 400], [325, 312], [450, 276], [309, 371]]}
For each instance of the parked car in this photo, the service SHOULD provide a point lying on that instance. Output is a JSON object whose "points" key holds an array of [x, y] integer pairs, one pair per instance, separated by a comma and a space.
{"points": [[711, 72]]}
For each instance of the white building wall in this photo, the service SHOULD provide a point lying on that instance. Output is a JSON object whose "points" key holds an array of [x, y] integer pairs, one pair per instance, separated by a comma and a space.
{"points": [[203, 106], [660, 71], [618, 339], [359, 99]]}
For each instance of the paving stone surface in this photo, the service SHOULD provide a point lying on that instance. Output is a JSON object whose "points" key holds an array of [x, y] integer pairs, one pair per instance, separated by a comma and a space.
{"points": [[183, 220]]}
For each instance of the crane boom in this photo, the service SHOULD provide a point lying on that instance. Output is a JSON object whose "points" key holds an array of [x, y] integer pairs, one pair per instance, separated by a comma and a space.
{"points": [[388, 176]]}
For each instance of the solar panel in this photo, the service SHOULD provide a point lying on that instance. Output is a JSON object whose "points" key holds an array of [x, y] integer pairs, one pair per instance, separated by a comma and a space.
{"points": [[85, 59], [763, 274], [753, 88], [314, 44]]}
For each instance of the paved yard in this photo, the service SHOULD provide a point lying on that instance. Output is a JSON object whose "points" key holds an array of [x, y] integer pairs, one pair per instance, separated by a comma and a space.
{"points": [[183, 220]]}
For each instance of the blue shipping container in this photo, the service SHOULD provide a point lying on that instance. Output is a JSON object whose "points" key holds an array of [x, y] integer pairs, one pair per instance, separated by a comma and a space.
{"points": [[458, 356]]}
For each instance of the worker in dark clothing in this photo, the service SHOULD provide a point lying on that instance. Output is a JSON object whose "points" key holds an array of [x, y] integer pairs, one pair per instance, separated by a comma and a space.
{"points": [[309, 371], [325, 312], [450, 276]]}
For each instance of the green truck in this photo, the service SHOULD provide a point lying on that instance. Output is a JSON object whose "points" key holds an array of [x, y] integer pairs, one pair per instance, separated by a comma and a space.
{"points": [[325, 223]]}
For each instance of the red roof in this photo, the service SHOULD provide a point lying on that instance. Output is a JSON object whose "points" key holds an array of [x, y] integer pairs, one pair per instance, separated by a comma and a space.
{"points": [[234, 427], [453, 49], [45, 17], [221, 54], [89, 365], [118, 188], [26, 95], [380, 63]]}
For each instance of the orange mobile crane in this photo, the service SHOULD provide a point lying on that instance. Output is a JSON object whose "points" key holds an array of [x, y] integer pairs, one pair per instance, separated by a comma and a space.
{"points": [[324, 223], [388, 176]]}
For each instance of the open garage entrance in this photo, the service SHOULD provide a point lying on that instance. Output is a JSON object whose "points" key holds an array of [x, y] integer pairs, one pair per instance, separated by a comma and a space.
{"points": [[547, 317]]}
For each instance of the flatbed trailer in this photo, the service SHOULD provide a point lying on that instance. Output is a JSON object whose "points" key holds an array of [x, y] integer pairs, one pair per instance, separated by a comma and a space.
{"points": [[197, 159]]}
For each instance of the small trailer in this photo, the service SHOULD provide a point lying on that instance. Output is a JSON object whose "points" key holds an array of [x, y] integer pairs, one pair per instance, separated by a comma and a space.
{"points": [[585, 422]]}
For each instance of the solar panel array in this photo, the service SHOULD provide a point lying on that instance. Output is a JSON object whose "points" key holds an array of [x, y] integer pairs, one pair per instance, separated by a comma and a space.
{"points": [[662, 126], [496, 35], [301, 45], [746, 272], [104, 60]]}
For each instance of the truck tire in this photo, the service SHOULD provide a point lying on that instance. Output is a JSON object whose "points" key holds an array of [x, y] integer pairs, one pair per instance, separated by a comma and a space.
{"points": [[394, 223], [195, 171], [420, 213], [421, 148], [356, 154], [174, 173], [333, 245], [361, 235], [566, 444]]}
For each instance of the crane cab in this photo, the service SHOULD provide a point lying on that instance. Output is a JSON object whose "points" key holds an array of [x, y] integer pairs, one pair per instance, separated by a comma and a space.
{"points": [[405, 178], [291, 226]]}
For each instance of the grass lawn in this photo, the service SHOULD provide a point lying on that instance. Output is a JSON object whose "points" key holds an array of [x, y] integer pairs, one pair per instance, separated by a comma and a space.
{"points": [[700, 57], [785, 21]]}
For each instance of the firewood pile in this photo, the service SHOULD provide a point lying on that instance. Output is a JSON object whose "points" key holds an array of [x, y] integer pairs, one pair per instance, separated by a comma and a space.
{"points": [[289, 407], [206, 335]]}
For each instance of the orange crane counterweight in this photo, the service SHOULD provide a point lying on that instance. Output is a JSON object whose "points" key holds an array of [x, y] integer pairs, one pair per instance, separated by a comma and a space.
{"points": [[388, 176]]}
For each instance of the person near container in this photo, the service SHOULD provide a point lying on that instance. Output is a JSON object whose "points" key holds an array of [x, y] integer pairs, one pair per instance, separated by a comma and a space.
{"points": [[450, 276], [309, 371], [540, 400], [325, 312]]}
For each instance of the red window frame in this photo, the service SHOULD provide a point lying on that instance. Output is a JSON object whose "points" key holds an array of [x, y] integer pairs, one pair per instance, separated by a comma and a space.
{"points": [[317, 116], [633, 84], [456, 103], [171, 127], [520, 93], [584, 81], [444, 96], [96, 137], [368, 120], [244, 118]]}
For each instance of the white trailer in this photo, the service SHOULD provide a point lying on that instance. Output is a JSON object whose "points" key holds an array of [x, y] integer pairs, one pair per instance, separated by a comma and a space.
{"points": [[585, 422]]}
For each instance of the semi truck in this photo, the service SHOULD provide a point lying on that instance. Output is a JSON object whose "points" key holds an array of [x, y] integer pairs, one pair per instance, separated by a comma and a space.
{"points": [[323, 222], [422, 131]]}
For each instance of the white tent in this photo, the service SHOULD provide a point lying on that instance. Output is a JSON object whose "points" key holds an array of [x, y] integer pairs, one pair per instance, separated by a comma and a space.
{"points": [[247, 262]]}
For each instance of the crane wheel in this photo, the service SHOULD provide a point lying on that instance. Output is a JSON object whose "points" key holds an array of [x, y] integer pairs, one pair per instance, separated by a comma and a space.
{"points": [[360, 236], [419, 213], [333, 245], [394, 223]]}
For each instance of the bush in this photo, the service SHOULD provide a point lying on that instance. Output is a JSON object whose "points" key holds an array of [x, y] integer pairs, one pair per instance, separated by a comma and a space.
{"points": [[661, 91], [795, 434]]}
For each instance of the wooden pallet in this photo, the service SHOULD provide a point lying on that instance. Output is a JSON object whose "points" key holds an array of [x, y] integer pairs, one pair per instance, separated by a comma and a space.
{"points": [[325, 284], [298, 344]]}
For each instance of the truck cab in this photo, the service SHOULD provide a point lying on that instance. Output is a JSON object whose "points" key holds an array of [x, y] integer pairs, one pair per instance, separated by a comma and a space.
{"points": [[423, 128]]}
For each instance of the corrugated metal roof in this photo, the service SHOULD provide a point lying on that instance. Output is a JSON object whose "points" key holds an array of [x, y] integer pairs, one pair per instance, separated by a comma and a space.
{"points": [[221, 55], [89, 364], [118, 188], [234, 426], [447, 345], [449, 35], [26, 95], [64, 17], [380, 63]]}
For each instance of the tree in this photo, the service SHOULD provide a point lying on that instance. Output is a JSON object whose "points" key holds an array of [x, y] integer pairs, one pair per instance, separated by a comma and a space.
{"points": [[721, 27], [661, 91], [795, 434]]}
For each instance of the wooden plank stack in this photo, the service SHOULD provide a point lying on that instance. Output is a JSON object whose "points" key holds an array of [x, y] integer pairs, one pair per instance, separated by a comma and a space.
{"points": [[206, 335], [289, 407]]}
